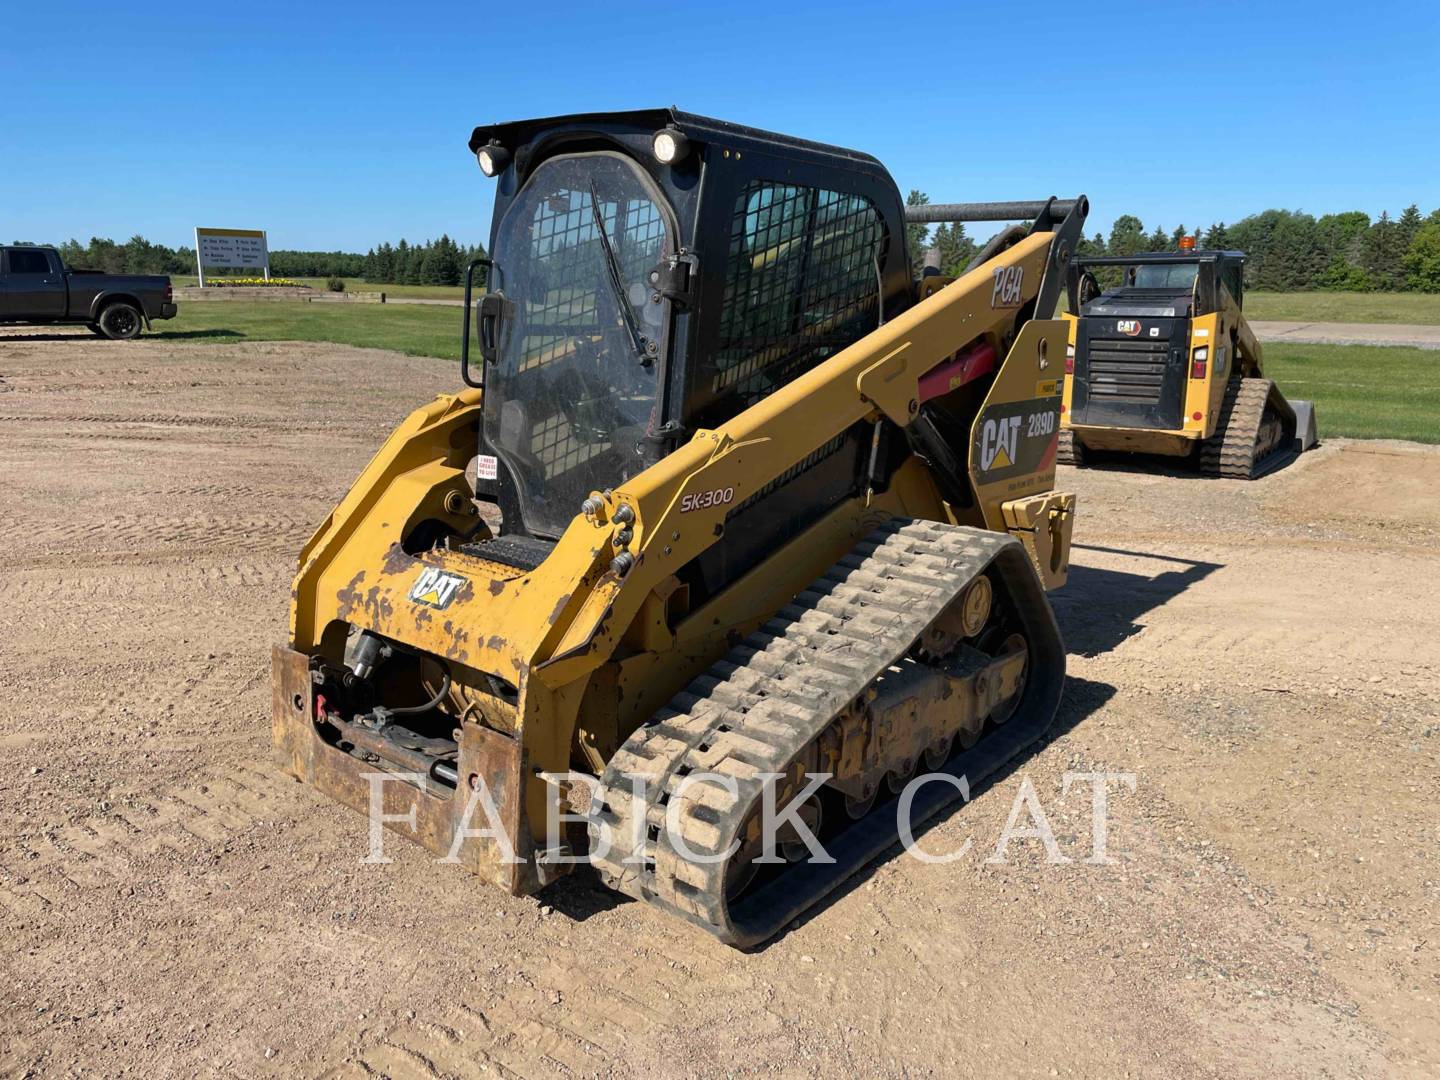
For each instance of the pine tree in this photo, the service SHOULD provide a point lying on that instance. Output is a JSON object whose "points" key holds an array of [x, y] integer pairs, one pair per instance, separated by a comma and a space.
{"points": [[1175, 238], [1408, 225], [917, 236], [449, 267], [1216, 238], [955, 247], [1382, 255], [1127, 236], [1252, 235], [1297, 256], [1157, 241]]}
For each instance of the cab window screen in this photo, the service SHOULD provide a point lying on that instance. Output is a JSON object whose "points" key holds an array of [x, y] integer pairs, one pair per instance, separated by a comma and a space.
{"points": [[801, 284]]}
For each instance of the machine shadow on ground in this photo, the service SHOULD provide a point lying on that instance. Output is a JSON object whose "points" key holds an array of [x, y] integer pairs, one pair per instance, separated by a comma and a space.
{"points": [[581, 895], [1122, 461], [157, 335], [1098, 608], [195, 335]]}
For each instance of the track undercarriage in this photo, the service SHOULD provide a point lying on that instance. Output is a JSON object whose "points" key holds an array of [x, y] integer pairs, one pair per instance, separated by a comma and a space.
{"points": [[1255, 433], [930, 648]]}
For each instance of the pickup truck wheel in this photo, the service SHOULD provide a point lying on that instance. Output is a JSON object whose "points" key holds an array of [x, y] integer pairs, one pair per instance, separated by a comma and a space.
{"points": [[120, 321]]}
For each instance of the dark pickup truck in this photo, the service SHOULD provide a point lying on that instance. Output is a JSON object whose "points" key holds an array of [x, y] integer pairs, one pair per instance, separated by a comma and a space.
{"points": [[36, 287]]}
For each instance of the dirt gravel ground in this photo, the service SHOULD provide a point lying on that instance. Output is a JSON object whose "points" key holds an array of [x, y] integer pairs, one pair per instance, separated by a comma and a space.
{"points": [[1322, 333], [1263, 658]]}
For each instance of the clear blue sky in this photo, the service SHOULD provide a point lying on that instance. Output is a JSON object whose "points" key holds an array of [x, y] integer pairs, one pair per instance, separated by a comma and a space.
{"points": [[338, 126]]}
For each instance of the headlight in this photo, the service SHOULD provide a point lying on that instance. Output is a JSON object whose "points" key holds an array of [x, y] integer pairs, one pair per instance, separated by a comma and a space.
{"points": [[492, 158], [670, 146]]}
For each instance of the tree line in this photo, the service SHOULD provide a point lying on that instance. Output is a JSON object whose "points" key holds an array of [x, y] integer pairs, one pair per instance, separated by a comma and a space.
{"points": [[433, 262], [1286, 250]]}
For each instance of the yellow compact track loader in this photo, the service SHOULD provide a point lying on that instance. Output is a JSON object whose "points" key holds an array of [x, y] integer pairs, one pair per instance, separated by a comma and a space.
{"points": [[1166, 364], [734, 522]]}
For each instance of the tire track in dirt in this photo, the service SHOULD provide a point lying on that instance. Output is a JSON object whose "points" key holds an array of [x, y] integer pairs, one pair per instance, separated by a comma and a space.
{"points": [[119, 573], [191, 420], [561, 1013], [197, 532], [60, 867]]}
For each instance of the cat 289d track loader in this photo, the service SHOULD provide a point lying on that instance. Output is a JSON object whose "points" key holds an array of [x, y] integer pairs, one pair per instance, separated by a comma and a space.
{"points": [[1165, 363], [734, 518]]}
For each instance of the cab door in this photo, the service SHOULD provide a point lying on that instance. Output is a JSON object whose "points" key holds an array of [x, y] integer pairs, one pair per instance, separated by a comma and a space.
{"points": [[32, 285]]}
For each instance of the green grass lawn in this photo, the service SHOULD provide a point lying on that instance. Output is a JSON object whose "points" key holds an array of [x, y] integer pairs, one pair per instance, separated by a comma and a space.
{"points": [[1420, 308], [412, 329], [429, 292], [1363, 391]]}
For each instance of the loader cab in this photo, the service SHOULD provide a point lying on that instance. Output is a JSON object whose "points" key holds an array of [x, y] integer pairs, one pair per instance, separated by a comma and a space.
{"points": [[1132, 349], [656, 272]]}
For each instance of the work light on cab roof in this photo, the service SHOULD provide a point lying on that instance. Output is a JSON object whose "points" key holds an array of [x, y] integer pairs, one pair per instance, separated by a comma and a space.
{"points": [[492, 158], [670, 146]]}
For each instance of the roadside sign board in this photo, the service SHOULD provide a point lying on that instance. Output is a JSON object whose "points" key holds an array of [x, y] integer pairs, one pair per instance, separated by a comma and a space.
{"points": [[231, 248]]}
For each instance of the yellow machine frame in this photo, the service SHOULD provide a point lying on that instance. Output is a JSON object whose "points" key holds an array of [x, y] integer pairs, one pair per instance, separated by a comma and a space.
{"points": [[595, 651], [1232, 349]]}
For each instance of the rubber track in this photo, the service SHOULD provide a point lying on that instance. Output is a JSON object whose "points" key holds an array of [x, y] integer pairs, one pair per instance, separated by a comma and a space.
{"points": [[1070, 451], [1230, 451], [759, 707]]}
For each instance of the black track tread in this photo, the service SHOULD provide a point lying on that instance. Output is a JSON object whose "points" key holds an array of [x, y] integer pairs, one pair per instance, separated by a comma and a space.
{"points": [[1070, 450], [1230, 452], [760, 706]]}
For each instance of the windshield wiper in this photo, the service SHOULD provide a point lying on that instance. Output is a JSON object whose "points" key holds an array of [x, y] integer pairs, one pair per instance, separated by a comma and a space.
{"points": [[617, 282]]}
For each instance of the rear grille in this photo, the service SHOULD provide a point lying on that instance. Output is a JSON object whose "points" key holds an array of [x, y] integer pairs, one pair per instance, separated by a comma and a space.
{"points": [[1128, 371]]}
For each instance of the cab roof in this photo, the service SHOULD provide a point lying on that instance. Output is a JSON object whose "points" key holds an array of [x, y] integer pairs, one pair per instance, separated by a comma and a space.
{"points": [[520, 136], [1160, 257]]}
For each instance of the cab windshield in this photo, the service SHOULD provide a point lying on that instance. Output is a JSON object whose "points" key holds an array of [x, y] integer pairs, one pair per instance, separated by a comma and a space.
{"points": [[572, 393]]}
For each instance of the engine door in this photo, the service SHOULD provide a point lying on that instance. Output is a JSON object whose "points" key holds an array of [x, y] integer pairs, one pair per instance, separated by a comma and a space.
{"points": [[1130, 372]]}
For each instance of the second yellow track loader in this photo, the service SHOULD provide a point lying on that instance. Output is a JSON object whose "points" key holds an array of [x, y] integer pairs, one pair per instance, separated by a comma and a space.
{"points": [[735, 522], [1165, 363]]}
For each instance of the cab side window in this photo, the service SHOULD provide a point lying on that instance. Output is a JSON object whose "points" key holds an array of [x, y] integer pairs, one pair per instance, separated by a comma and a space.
{"points": [[1233, 277], [28, 262], [801, 283]]}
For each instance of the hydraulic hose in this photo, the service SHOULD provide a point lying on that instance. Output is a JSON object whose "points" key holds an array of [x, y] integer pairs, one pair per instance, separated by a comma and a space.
{"points": [[412, 710]]}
